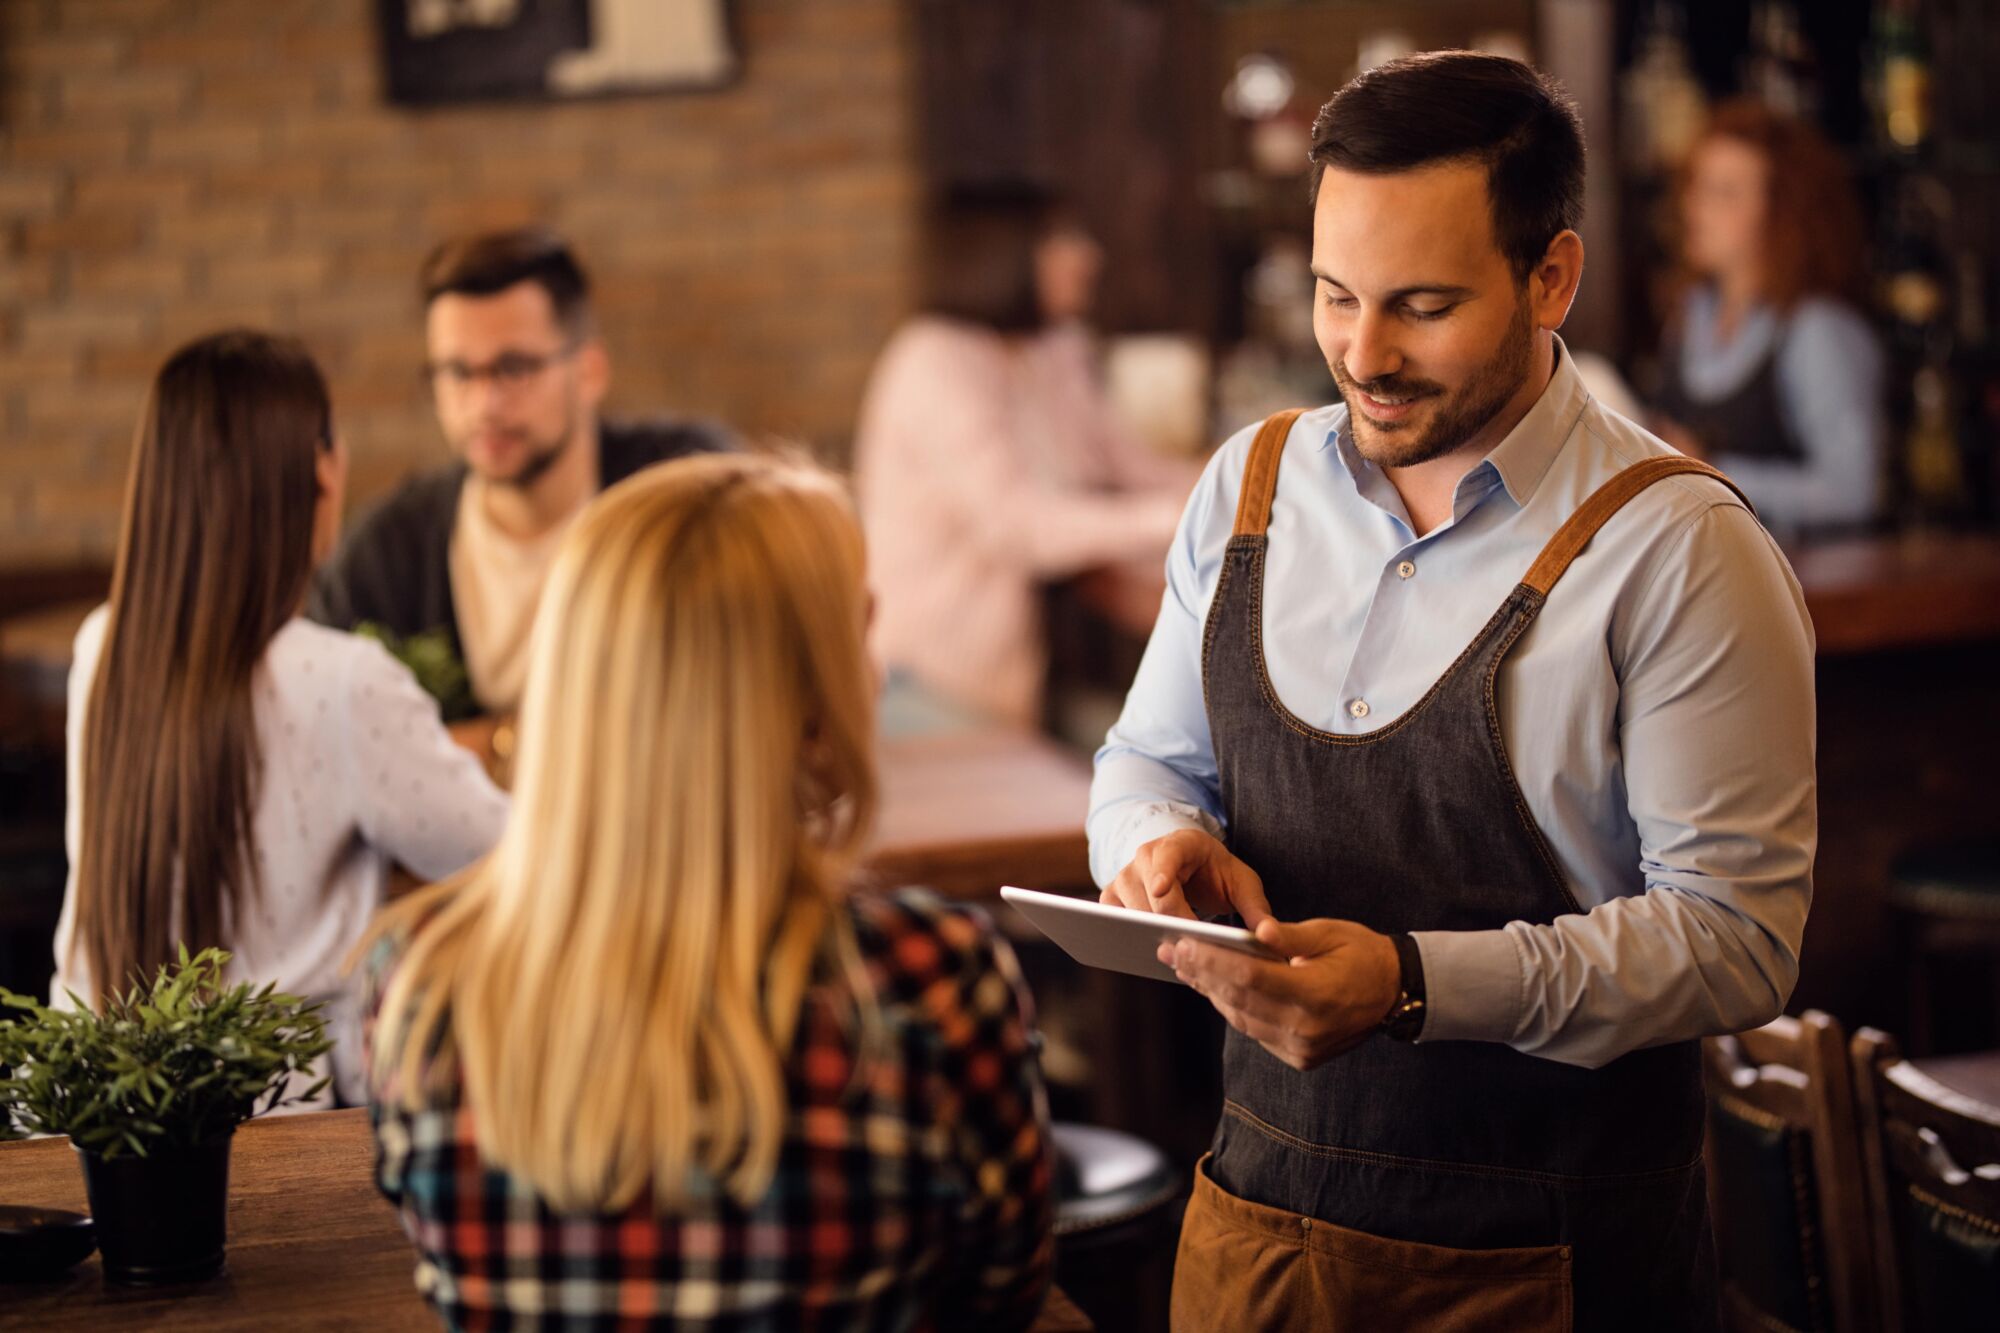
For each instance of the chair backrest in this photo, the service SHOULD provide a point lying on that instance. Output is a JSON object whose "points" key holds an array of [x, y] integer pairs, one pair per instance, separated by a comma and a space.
{"points": [[1933, 1160], [1784, 1175]]}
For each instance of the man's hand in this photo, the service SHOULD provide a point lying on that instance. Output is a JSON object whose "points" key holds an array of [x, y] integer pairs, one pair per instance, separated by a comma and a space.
{"points": [[1188, 873], [1340, 982]]}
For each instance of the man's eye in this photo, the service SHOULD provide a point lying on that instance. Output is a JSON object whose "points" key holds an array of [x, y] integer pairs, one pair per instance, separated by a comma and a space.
{"points": [[1341, 302], [509, 368]]}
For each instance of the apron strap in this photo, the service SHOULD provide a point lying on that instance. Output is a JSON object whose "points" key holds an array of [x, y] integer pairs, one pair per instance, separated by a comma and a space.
{"points": [[1260, 473], [1260, 485], [1605, 501]]}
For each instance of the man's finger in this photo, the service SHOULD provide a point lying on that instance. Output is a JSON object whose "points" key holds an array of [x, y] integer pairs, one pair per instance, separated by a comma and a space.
{"points": [[1125, 890], [1246, 895], [1298, 939], [1269, 1035], [1163, 891], [1269, 988], [1166, 877]]}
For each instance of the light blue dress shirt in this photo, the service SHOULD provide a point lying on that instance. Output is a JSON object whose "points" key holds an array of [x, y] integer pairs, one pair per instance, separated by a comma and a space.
{"points": [[1658, 713], [1829, 370]]}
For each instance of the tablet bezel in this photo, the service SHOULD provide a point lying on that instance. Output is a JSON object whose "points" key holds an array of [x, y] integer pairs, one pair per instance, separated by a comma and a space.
{"points": [[1120, 939]]}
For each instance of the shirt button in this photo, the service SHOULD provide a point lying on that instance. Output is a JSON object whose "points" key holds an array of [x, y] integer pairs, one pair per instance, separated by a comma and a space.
{"points": [[1359, 708], [1405, 570]]}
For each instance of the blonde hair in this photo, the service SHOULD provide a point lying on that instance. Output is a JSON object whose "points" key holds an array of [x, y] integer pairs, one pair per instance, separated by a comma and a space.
{"points": [[619, 982]]}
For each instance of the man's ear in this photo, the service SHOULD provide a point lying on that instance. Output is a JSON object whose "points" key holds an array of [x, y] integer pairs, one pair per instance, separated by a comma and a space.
{"points": [[1554, 282], [593, 368]]}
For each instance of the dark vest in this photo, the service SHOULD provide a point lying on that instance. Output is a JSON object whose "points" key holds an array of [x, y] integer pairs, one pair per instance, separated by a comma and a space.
{"points": [[1748, 423]]}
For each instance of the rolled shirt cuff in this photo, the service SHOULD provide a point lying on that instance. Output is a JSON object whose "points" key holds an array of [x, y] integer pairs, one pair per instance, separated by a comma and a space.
{"points": [[1473, 981]]}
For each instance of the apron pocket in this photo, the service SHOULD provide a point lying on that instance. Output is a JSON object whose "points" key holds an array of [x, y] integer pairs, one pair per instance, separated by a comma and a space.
{"points": [[1243, 1265]]}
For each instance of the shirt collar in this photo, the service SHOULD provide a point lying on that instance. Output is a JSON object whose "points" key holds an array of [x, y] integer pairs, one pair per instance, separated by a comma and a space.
{"points": [[1523, 458], [1519, 462]]}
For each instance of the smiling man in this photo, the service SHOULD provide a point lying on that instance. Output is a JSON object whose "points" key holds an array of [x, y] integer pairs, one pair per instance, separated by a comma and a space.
{"points": [[517, 372], [1493, 716]]}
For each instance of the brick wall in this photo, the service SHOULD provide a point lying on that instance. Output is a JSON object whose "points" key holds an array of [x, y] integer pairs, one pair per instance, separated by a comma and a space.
{"points": [[170, 166]]}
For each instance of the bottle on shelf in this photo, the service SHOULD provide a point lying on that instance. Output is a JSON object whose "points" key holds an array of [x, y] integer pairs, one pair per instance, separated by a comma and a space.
{"points": [[1933, 457], [1664, 106], [1781, 70], [1902, 77], [1913, 278]]}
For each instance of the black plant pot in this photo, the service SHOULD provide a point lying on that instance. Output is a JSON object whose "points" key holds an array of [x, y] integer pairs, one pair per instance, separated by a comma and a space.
{"points": [[162, 1217]]}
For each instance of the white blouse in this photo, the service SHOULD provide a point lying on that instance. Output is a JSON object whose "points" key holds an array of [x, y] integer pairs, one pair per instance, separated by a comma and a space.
{"points": [[359, 772]]}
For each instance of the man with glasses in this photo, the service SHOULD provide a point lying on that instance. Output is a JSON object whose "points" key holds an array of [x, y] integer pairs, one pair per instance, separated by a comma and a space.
{"points": [[450, 567]]}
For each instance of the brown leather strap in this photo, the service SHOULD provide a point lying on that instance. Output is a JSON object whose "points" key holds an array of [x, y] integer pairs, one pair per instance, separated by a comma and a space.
{"points": [[1605, 501], [1260, 474]]}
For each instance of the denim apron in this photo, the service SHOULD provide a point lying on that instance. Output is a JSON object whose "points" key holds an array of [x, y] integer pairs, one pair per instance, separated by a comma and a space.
{"points": [[1459, 1185]]}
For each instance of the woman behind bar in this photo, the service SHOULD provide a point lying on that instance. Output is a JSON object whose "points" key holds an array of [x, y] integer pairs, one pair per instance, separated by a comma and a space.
{"points": [[1771, 373], [987, 457], [239, 776], [650, 1061]]}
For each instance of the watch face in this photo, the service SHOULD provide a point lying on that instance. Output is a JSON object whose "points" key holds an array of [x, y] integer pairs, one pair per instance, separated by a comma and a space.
{"points": [[1406, 1020]]}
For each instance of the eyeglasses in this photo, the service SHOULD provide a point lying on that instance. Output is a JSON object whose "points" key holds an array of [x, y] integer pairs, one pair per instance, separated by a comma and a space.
{"points": [[509, 370]]}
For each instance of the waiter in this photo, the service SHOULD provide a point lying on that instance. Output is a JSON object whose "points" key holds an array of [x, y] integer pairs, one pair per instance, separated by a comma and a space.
{"points": [[1493, 716]]}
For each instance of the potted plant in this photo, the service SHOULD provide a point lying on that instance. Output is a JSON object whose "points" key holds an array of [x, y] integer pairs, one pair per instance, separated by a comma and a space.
{"points": [[150, 1090]]}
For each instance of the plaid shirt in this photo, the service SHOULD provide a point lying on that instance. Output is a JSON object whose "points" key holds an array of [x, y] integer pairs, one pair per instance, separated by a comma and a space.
{"points": [[914, 1197]]}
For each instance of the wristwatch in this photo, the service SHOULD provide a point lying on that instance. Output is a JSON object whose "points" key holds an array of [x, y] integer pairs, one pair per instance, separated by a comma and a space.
{"points": [[1405, 1019]]}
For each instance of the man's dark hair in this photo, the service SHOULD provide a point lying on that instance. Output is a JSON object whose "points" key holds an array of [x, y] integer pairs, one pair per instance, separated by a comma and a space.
{"points": [[489, 263], [1466, 106], [979, 254]]}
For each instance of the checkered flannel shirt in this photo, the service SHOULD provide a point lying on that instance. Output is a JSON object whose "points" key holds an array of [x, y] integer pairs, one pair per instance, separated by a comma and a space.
{"points": [[916, 1196]]}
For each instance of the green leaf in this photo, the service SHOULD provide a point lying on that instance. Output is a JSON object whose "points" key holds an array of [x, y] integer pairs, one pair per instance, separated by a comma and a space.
{"points": [[171, 1061]]}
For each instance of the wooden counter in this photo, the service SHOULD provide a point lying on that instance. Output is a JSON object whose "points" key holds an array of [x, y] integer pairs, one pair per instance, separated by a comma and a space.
{"points": [[311, 1244], [1911, 591], [1865, 594]]}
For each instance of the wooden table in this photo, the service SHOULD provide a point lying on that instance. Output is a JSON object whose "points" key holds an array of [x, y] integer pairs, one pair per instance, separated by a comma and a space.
{"points": [[965, 812], [311, 1244], [1974, 1076]]}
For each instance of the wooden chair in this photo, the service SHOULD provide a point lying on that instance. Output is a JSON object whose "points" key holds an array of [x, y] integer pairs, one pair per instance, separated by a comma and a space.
{"points": [[1933, 1168], [1784, 1164]]}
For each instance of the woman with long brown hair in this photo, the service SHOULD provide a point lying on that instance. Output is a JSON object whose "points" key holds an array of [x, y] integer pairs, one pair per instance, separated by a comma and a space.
{"points": [[237, 775], [650, 1064], [1771, 371]]}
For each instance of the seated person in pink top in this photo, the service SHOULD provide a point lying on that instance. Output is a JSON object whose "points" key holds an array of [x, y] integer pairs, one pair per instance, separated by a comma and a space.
{"points": [[988, 459]]}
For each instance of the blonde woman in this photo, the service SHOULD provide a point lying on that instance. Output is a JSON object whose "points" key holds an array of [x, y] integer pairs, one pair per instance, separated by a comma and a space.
{"points": [[649, 1063]]}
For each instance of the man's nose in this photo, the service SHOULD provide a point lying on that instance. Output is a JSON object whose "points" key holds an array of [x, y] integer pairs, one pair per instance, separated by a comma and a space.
{"points": [[483, 397], [1371, 350]]}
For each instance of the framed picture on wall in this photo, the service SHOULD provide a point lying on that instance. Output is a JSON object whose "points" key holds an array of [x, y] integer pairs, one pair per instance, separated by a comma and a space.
{"points": [[442, 51]]}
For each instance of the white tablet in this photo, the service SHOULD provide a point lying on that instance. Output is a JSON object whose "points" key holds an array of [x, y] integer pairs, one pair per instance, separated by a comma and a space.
{"points": [[1118, 938]]}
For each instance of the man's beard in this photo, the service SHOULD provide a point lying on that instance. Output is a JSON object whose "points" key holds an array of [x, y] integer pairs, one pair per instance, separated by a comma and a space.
{"points": [[1458, 419], [542, 455]]}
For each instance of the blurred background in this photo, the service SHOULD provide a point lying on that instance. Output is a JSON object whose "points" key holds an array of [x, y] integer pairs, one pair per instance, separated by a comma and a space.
{"points": [[167, 166], [747, 182]]}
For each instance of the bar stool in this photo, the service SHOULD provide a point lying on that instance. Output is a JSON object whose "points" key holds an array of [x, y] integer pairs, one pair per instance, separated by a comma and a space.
{"points": [[1115, 1225], [1946, 897]]}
